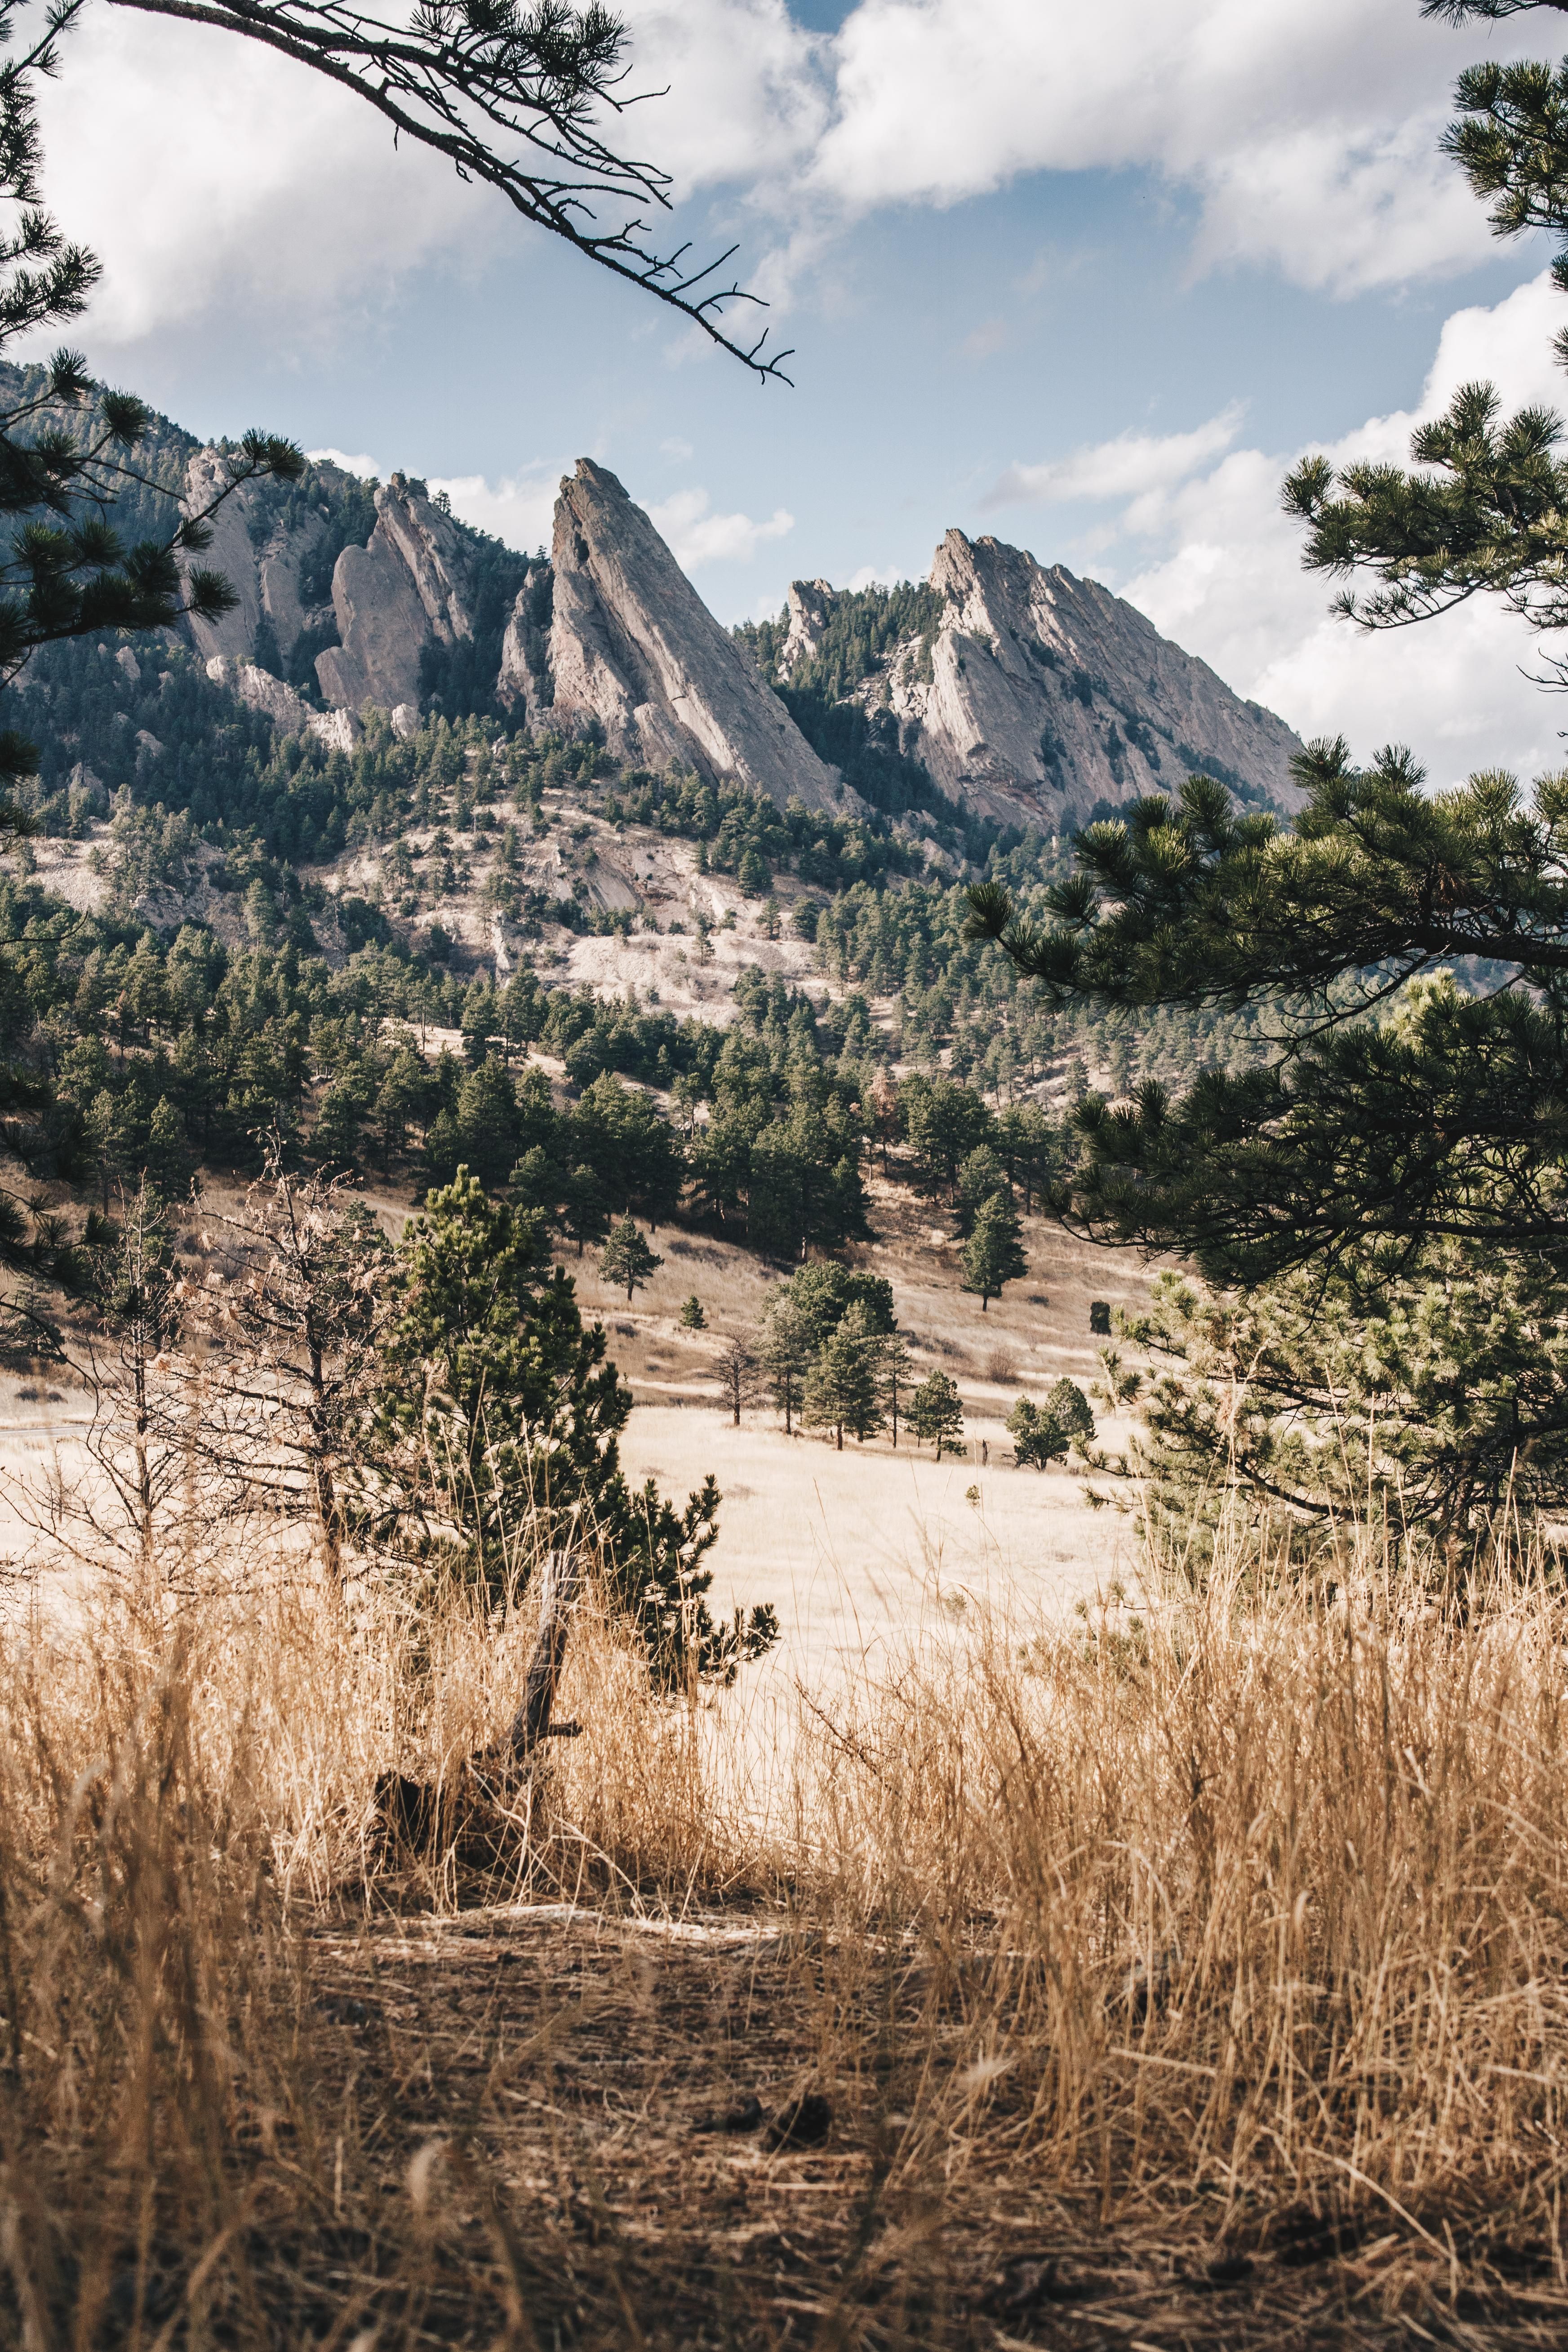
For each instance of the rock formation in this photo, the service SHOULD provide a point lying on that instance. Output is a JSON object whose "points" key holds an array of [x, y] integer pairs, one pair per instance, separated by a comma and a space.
{"points": [[339, 730], [1031, 696], [810, 607], [391, 597], [1037, 697], [262, 567], [633, 648]]}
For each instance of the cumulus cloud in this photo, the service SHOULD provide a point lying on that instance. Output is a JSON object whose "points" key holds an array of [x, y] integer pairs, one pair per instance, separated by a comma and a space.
{"points": [[1124, 468], [518, 511], [257, 184], [1216, 563], [697, 536], [1305, 130]]}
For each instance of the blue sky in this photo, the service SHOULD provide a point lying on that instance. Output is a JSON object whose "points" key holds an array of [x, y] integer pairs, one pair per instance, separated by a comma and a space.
{"points": [[1085, 278]]}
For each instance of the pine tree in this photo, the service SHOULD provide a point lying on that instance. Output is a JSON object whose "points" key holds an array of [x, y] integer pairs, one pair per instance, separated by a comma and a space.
{"points": [[1038, 1437], [981, 1177], [843, 1386], [626, 1257], [168, 1158], [584, 1216], [994, 1253], [497, 1408], [1068, 1404], [787, 1346], [894, 1376], [692, 1319], [936, 1412], [104, 1126]]}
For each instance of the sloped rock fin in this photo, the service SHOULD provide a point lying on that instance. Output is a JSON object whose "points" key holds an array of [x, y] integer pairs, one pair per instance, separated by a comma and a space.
{"points": [[633, 648], [391, 598], [1049, 697]]}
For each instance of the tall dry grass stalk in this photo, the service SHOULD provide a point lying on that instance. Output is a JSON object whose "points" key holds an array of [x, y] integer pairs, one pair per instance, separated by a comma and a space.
{"points": [[1253, 1904]]}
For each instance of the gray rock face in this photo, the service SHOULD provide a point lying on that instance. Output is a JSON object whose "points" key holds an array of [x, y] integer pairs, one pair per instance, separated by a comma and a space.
{"points": [[524, 675], [1047, 695], [390, 598], [339, 730], [266, 578], [261, 691], [810, 607], [232, 553], [633, 646]]}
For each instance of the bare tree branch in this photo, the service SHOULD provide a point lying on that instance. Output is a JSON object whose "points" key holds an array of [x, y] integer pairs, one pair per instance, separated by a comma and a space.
{"points": [[469, 77]]}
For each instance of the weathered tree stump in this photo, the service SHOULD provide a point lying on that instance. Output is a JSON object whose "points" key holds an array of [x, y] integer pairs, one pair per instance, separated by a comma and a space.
{"points": [[474, 1812]]}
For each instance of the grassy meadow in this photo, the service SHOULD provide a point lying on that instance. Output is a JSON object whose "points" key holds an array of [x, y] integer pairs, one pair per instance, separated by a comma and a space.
{"points": [[1194, 1971]]}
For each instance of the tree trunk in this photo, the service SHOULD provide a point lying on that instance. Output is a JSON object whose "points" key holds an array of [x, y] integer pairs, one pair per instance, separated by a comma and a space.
{"points": [[532, 1724], [329, 1513], [143, 1466]]}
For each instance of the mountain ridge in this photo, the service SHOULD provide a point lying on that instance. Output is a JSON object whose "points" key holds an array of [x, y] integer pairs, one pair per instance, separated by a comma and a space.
{"points": [[999, 688]]}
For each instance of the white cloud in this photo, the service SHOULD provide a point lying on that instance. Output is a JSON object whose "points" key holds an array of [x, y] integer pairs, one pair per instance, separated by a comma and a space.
{"points": [[259, 184], [1124, 468], [744, 98], [1304, 129], [1220, 572], [367, 469], [518, 511], [697, 536]]}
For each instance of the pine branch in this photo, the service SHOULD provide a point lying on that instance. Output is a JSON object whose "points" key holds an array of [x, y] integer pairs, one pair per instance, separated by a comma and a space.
{"points": [[469, 77]]}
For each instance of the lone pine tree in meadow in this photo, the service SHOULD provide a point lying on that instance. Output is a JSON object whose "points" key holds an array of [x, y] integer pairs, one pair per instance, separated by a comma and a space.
{"points": [[626, 1257], [994, 1253], [936, 1412]]}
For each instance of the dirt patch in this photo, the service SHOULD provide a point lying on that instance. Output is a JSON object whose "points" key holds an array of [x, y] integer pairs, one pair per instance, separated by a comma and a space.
{"points": [[581, 2122]]}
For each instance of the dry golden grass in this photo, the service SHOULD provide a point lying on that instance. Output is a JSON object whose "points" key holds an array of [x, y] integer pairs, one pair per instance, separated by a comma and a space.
{"points": [[1197, 1976]]}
